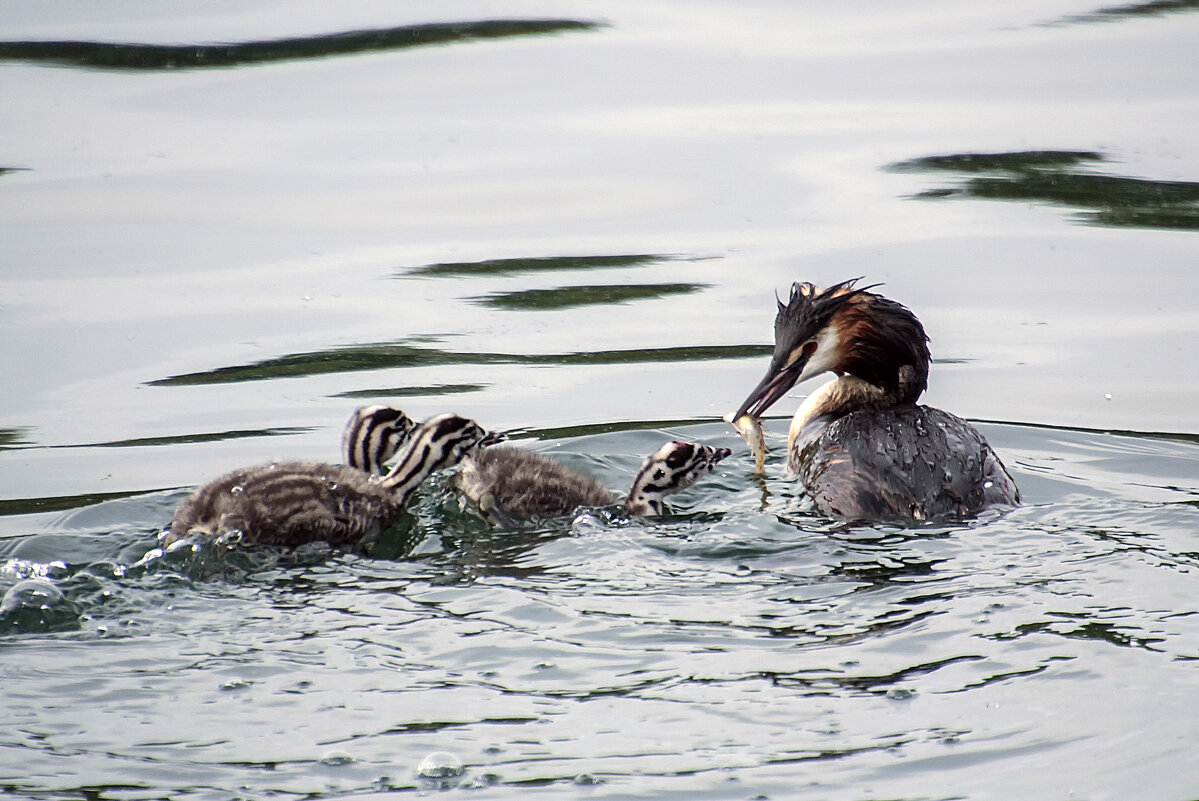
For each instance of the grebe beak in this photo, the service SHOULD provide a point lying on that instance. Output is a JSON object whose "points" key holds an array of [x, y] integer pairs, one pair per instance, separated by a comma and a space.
{"points": [[493, 438], [777, 383]]}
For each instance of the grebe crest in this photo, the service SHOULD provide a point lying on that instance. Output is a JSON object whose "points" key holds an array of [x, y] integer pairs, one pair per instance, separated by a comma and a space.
{"points": [[299, 502], [861, 445], [508, 483]]}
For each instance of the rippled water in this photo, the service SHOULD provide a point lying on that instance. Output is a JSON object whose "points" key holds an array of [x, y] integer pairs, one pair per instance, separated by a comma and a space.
{"points": [[224, 226]]}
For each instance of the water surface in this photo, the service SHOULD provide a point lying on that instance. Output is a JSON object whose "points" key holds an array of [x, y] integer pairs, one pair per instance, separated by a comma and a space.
{"points": [[224, 226]]}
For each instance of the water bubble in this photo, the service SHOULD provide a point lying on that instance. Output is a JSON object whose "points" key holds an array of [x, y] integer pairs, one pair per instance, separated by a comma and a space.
{"points": [[332, 486], [237, 489], [586, 779], [440, 765], [235, 684], [337, 759], [32, 593], [988, 484], [36, 605], [901, 694]]}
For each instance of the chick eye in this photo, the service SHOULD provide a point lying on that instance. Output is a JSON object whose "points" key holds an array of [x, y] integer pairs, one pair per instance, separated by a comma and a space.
{"points": [[809, 347]]}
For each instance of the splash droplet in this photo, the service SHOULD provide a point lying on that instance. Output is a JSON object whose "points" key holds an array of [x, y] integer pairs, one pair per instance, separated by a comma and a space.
{"points": [[440, 765]]}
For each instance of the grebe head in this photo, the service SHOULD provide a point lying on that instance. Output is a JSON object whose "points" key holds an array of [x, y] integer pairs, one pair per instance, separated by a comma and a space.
{"points": [[676, 466], [844, 330], [373, 435], [440, 442], [687, 462], [458, 437]]}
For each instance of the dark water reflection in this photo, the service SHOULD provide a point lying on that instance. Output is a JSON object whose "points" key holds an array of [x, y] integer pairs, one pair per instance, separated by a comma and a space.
{"points": [[1154, 8], [392, 355], [411, 392], [57, 503], [187, 439], [131, 56], [536, 264], [13, 438], [570, 297], [1060, 178]]}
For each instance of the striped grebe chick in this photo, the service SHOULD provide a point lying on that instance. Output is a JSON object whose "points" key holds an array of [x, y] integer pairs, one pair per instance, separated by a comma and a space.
{"points": [[299, 502], [861, 445], [372, 436], [508, 483]]}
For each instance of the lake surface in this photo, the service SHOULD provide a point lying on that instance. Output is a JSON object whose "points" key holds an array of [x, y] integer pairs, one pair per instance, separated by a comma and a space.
{"points": [[223, 226]]}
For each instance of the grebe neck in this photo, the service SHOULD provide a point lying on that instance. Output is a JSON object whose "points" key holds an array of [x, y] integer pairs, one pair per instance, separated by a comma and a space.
{"points": [[837, 398]]}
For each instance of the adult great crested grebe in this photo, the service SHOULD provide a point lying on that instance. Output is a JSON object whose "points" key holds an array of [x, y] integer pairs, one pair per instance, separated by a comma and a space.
{"points": [[299, 502], [507, 483], [860, 444]]}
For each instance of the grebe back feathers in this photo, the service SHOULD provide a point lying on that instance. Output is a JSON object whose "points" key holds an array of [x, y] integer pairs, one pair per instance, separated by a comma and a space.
{"points": [[299, 502], [508, 483]]}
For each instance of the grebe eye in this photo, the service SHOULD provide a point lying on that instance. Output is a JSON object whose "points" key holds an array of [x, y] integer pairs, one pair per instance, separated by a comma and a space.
{"points": [[809, 347]]}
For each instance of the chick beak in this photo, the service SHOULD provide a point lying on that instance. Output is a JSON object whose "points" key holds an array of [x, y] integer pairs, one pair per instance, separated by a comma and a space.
{"points": [[493, 438]]}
